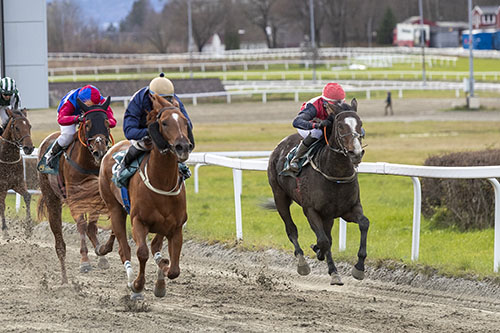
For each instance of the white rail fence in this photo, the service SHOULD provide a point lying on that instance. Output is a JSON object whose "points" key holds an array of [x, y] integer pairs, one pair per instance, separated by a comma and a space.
{"points": [[266, 91], [232, 160], [381, 168]]}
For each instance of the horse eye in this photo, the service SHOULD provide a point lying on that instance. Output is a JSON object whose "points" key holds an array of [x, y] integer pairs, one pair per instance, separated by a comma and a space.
{"points": [[164, 123]]}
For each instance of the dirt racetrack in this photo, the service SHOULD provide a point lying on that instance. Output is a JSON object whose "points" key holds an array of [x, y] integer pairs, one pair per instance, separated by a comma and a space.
{"points": [[227, 290]]}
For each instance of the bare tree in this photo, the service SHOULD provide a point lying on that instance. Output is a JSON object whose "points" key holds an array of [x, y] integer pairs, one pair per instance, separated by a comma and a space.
{"points": [[63, 26], [268, 16]]}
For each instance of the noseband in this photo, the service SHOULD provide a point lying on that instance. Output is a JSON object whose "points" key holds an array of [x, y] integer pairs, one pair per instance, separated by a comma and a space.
{"points": [[338, 137]]}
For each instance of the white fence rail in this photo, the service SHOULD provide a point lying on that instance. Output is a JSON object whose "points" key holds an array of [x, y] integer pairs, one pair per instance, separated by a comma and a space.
{"points": [[232, 160], [265, 91], [381, 168]]}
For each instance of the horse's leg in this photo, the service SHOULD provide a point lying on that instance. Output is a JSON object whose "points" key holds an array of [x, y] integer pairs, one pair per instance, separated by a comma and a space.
{"points": [[3, 194], [316, 222], [283, 203], [163, 265], [54, 209], [23, 190], [358, 271], [119, 226], [332, 270], [92, 235], [174, 252], [81, 226], [140, 232]]}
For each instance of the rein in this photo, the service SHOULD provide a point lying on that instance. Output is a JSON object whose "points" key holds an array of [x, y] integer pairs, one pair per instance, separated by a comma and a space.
{"points": [[78, 167]]}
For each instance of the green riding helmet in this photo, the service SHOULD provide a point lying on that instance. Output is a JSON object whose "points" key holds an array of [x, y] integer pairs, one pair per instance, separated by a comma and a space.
{"points": [[8, 86]]}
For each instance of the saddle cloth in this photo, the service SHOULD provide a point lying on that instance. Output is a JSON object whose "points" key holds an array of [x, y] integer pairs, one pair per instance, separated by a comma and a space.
{"points": [[303, 161]]}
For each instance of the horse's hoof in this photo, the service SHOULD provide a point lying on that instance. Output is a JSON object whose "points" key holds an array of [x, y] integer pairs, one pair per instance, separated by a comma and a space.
{"points": [[136, 296], [103, 263], [357, 274], [303, 267], [336, 281], [85, 267]]}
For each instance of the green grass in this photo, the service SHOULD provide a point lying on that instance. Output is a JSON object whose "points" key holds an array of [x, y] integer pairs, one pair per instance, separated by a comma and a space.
{"points": [[387, 200]]}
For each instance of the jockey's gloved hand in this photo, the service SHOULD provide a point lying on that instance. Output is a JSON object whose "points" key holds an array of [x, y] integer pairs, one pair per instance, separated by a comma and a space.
{"points": [[80, 118], [324, 123]]}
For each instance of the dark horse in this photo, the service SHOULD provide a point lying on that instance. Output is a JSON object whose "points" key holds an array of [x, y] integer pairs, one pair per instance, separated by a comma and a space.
{"points": [[17, 136], [77, 184], [326, 189], [157, 198]]}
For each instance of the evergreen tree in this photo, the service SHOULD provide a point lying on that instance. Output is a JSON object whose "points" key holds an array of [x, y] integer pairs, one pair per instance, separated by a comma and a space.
{"points": [[385, 30]]}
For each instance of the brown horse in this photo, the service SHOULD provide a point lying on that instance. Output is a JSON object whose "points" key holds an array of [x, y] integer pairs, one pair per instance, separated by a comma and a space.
{"points": [[77, 184], [326, 189], [17, 135], [157, 197]]}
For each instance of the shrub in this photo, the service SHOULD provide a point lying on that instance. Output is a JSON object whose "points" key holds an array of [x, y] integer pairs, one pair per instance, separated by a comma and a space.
{"points": [[466, 204]]}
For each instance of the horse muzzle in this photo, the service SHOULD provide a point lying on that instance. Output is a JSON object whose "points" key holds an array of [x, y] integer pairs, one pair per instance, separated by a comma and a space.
{"points": [[182, 150], [355, 158], [28, 150]]}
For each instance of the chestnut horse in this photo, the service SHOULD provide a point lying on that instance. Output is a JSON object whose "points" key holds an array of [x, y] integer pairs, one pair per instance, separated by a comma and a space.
{"points": [[327, 188], [17, 135], [157, 198], [76, 184]]}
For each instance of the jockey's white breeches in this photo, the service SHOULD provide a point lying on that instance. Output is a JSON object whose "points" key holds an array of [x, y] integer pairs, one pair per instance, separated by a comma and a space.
{"points": [[315, 133], [66, 135]]}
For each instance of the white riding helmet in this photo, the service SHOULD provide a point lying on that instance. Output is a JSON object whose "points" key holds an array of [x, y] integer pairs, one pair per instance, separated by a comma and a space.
{"points": [[161, 86]]}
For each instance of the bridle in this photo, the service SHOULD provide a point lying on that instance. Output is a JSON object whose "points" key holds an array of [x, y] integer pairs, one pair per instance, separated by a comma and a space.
{"points": [[154, 131], [338, 137], [87, 142], [18, 142]]}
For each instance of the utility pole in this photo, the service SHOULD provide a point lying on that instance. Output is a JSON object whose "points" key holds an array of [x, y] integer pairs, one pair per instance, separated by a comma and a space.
{"points": [[471, 46], [190, 40], [313, 41], [422, 39]]}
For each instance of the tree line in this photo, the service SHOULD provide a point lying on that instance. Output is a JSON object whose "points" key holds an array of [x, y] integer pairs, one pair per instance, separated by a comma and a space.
{"points": [[242, 24]]}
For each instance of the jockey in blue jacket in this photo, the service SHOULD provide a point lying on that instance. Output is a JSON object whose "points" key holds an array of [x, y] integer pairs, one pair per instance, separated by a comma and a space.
{"points": [[134, 121]]}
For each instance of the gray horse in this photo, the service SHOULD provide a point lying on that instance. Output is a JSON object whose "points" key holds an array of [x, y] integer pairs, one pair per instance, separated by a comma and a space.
{"points": [[326, 188]]}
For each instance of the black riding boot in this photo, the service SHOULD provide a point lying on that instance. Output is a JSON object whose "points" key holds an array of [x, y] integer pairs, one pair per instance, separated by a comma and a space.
{"points": [[131, 154], [301, 151], [51, 154]]}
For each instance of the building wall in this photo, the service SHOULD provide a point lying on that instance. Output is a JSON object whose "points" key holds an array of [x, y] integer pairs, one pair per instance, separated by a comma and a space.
{"points": [[25, 47]]}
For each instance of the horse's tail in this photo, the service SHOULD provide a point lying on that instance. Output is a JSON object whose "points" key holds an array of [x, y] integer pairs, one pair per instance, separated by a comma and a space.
{"points": [[268, 204], [42, 208]]}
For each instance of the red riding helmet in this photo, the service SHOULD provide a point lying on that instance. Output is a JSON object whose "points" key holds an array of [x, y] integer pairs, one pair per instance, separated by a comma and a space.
{"points": [[333, 92]]}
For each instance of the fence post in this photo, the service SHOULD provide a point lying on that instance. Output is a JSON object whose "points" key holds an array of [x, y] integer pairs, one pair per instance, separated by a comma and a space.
{"points": [[496, 244], [237, 181], [342, 234], [264, 97], [417, 204]]}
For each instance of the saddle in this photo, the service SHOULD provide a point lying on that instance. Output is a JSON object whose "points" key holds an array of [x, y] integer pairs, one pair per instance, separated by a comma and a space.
{"points": [[303, 161], [121, 180]]}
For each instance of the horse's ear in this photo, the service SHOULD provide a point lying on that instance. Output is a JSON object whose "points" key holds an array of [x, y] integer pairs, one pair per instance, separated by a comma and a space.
{"points": [[106, 103], [354, 104], [82, 105], [24, 111], [9, 112], [156, 100]]}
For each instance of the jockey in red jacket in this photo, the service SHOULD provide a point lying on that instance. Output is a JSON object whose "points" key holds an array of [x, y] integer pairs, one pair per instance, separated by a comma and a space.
{"points": [[69, 114], [312, 110]]}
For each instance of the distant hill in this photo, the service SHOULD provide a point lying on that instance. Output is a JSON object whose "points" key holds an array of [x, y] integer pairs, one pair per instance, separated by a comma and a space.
{"points": [[110, 11]]}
